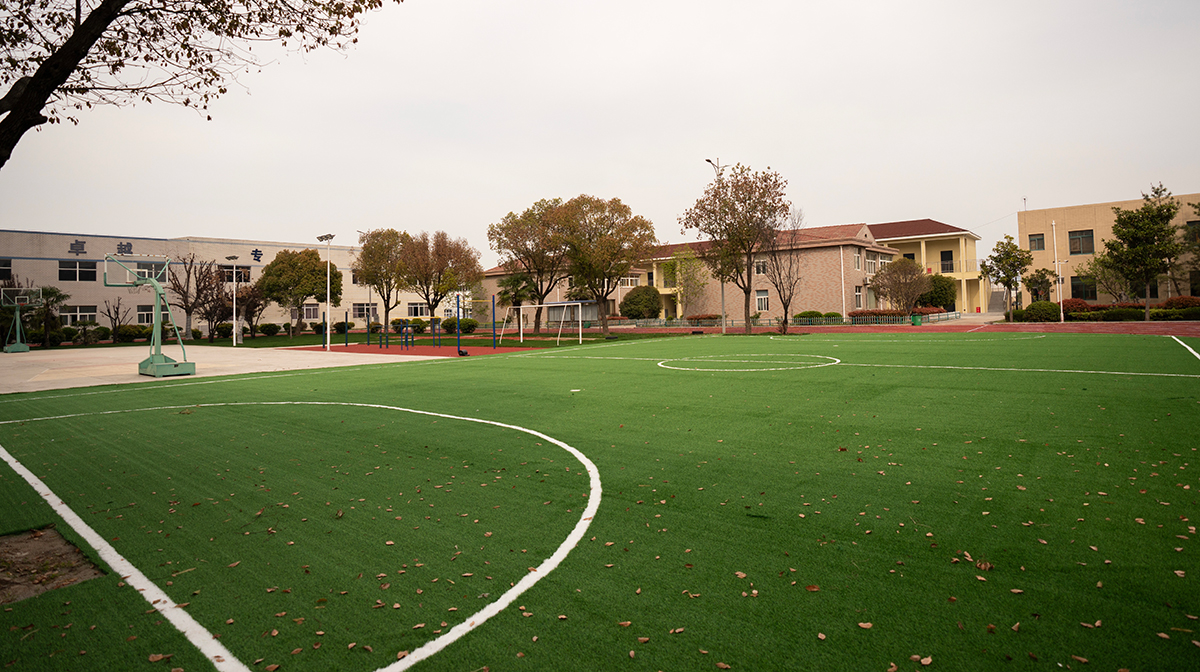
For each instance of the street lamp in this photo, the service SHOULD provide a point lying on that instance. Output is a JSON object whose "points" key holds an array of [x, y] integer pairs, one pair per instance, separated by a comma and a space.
{"points": [[237, 332], [719, 170], [328, 310]]}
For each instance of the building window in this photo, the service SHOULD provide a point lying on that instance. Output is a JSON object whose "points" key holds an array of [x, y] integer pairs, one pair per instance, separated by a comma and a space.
{"points": [[872, 260], [650, 278], [151, 269], [362, 311], [762, 302], [75, 314], [418, 310], [1139, 291], [1037, 241], [312, 311], [884, 260], [911, 255], [5, 269], [858, 260], [1083, 288], [1081, 242], [760, 266], [77, 271], [857, 296], [145, 315], [947, 261], [629, 282], [227, 271]]}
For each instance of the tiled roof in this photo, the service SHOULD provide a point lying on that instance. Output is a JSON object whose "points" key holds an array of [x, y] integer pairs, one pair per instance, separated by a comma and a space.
{"points": [[913, 228]]}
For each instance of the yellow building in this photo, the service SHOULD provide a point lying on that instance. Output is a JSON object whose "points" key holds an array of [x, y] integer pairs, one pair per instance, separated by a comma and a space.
{"points": [[1078, 233], [940, 248]]}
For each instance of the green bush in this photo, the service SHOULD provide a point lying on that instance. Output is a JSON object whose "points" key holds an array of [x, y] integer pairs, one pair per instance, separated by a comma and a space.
{"points": [[127, 333], [269, 329], [1192, 313], [1123, 315], [1085, 317], [809, 315], [317, 328], [69, 333], [1017, 315], [397, 322], [641, 303], [1042, 311], [449, 325], [468, 325], [1165, 314], [833, 315], [342, 327], [102, 333], [375, 327], [418, 325], [197, 334], [224, 330]]}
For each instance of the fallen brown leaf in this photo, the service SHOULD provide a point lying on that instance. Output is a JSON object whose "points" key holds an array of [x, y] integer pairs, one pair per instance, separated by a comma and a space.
{"points": [[927, 660], [865, 626], [1080, 659]]}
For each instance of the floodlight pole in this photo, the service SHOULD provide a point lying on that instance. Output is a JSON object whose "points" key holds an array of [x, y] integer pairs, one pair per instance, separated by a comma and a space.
{"points": [[720, 170], [1057, 274], [236, 331], [328, 310]]}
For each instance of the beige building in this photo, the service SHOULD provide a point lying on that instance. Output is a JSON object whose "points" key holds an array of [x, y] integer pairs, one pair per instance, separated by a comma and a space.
{"points": [[940, 248], [1078, 233], [74, 263]]}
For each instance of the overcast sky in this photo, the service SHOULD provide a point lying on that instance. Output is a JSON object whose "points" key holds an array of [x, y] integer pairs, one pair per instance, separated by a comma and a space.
{"points": [[451, 113]]}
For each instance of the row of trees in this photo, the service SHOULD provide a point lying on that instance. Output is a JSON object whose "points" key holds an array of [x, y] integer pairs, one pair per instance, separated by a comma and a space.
{"points": [[1145, 247], [595, 243]]}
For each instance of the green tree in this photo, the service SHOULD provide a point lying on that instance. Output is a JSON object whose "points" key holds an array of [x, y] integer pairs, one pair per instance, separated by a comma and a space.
{"points": [[901, 283], [380, 265], [46, 315], [642, 303], [127, 51], [942, 292], [738, 215], [686, 273], [1038, 284], [532, 243], [294, 277], [516, 290], [1004, 266], [604, 240], [438, 265], [1102, 272], [1144, 240]]}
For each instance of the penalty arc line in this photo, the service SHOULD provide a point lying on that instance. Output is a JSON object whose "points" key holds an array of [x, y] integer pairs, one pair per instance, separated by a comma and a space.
{"points": [[203, 639]]}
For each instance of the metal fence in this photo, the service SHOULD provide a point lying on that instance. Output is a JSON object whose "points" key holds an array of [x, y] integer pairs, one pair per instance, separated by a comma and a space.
{"points": [[661, 323]]}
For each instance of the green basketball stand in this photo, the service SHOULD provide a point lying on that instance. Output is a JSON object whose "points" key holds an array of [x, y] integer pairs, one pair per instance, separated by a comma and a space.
{"points": [[16, 298], [157, 364]]}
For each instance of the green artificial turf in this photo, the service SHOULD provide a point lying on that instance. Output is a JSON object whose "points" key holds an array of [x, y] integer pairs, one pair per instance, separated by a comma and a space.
{"points": [[758, 511]]}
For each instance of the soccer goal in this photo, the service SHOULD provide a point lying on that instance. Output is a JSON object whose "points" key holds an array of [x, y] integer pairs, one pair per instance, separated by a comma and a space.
{"points": [[564, 315]]}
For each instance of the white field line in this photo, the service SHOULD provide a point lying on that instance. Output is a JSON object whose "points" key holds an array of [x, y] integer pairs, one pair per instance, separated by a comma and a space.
{"points": [[902, 366], [217, 654], [1189, 349], [910, 341], [982, 326], [203, 639], [782, 365], [987, 368]]}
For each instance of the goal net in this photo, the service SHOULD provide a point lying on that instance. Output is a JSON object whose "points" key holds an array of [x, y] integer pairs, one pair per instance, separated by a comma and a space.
{"points": [[566, 315]]}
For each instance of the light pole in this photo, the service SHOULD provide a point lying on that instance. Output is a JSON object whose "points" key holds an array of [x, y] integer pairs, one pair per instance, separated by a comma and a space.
{"points": [[370, 300], [1057, 270], [236, 331], [720, 170], [328, 310]]}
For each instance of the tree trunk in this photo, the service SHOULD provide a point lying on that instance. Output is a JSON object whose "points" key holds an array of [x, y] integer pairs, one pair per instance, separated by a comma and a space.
{"points": [[537, 320], [26, 111], [1147, 300]]}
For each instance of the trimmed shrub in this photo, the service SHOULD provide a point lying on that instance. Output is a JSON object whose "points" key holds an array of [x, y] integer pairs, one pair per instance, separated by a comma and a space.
{"points": [[469, 325], [450, 324], [102, 333], [928, 310], [1165, 314], [342, 327], [1192, 313], [269, 329], [703, 316], [418, 325], [375, 327], [833, 315], [1123, 315], [69, 333], [642, 303], [1085, 317], [1042, 311], [197, 334], [809, 314], [317, 327], [1017, 315], [224, 330], [127, 333], [1181, 302], [1075, 306]]}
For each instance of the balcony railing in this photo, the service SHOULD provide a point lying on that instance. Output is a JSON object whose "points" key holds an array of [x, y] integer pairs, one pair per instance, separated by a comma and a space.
{"points": [[958, 266]]}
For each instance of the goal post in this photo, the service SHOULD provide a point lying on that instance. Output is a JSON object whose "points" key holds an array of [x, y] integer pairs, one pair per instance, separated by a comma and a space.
{"points": [[563, 313]]}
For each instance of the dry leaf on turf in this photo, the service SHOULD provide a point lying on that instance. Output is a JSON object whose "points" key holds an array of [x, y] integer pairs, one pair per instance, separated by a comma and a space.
{"points": [[1164, 635], [927, 660], [892, 667], [643, 640], [631, 654], [812, 589], [722, 666], [624, 624], [402, 654], [865, 626], [821, 636], [1080, 659]]}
